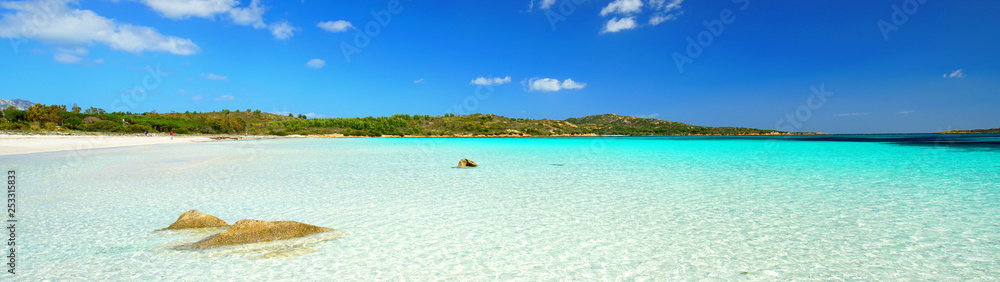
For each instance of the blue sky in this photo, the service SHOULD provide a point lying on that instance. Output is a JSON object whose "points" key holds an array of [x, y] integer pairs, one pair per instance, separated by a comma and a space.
{"points": [[829, 66]]}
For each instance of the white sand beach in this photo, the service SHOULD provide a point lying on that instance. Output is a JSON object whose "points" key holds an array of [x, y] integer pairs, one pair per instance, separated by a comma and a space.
{"points": [[27, 144]]}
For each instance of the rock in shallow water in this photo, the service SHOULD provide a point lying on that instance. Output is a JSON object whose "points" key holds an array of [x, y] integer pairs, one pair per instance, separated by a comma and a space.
{"points": [[197, 219], [252, 231], [467, 163]]}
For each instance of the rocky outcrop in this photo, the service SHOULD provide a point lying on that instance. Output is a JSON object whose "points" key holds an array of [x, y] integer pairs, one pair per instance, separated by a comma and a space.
{"points": [[252, 231], [197, 219], [467, 163]]}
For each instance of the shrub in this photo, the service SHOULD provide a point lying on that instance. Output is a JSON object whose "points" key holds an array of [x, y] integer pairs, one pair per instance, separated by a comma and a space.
{"points": [[137, 128], [72, 123], [104, 126]]}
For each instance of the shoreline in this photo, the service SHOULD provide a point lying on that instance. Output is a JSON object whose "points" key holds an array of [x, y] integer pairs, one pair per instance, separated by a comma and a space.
{"points": [[20, 143]]}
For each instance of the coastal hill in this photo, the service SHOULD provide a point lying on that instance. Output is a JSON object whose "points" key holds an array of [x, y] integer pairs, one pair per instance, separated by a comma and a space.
{"points": [[40, 117], [612, 124], [16, 103], [985, 130]]}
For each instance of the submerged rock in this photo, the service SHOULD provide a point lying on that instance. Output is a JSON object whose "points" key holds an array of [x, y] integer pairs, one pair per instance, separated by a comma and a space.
{"points": [[252, 231], [197, 219], [467, 163]]}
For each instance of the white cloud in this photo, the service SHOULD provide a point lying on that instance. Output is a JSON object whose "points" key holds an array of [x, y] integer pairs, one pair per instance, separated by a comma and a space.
{"points": [[625, 7], [545, 4], [212, 76], [490, 81], [906, 112], [196, 98], [99, 61], [660, 18], [955, 74], [225, 98], [616, 25], [551, 84], [653, 115], [75, 51], [65, 58], [570, 84], [315, 63], [182, 9], [544, 84], [282, 30], [849, 114], [419, 81], [314, 115], [252, 15], [335, 26], [182, 92], [67, 26], [664, 6]]}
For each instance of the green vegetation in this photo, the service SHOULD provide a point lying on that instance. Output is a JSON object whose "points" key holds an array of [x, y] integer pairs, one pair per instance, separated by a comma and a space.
{"points": [[57, 118], [988, 130], [612, 124]]}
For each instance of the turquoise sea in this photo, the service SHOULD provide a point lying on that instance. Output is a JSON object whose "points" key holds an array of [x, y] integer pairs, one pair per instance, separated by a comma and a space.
{"points": [[886, 207]]}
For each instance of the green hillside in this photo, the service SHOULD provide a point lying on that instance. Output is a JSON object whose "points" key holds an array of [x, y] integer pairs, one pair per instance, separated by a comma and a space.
{"points": [[57, 118], [986, 130]]}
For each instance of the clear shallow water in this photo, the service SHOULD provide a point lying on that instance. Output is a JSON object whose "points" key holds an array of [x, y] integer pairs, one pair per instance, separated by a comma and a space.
{"points": [[840, 207]]}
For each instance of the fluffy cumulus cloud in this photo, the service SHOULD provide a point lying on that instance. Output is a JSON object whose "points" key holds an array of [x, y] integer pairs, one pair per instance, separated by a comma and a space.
{"points": [[252, 15], [545, 4], [658, 11], [335, 26], [624, 7], [616, 25], [64, 25], [212, 76], [570, 84], [955, 74], [551, 84], [282, 30], [315, 63], [182, 9], [490, 81]]}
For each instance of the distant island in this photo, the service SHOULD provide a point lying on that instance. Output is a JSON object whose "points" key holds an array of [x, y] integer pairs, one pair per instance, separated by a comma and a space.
{"points": [[985, 130], [39, 117]]}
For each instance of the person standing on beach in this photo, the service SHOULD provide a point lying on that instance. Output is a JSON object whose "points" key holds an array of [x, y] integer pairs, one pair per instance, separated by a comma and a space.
{"points": [[171, 135], [146, 133]]}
